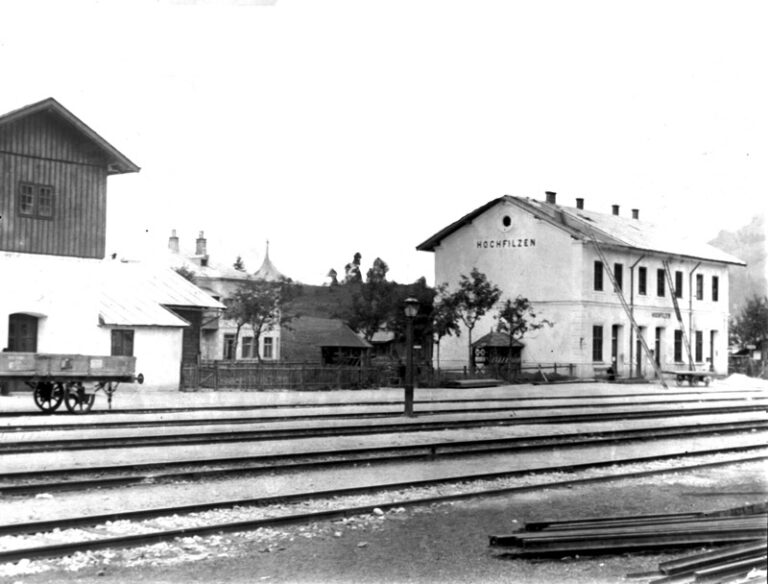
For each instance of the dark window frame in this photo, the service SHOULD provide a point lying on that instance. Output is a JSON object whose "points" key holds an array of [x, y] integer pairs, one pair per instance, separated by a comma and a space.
{"points": [[699, 346], [597, 280], [678, 284], [699, 286], [660, 286], [618, 275], [122, 342], [246, 347], [228, 348], [678, 346], [597, 343], [37, 193], [269, 348], [642, 281], [715, 288]]}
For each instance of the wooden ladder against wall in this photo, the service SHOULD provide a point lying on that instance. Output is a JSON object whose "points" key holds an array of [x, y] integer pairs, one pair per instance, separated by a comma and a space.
{"points": [[679, 314], [628, 311]]}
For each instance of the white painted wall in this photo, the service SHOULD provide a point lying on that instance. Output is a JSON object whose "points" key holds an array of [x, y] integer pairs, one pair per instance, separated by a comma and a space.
{"points": [[158, 355], [537, 260], [63, 293]]}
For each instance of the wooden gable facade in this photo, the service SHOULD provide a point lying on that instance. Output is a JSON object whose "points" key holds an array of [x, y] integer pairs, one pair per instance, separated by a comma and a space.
{"points": [[53, 182]]}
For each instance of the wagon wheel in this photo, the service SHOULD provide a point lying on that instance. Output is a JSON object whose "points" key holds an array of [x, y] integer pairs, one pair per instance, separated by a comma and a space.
{"points": [[679, 380], [48, 395], [77, 400], [706, 381]]}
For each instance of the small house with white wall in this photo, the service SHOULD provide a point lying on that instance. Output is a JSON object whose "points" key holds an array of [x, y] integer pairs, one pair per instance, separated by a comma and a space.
{"points": [[220, 339], [59, 294], [550, 254]]}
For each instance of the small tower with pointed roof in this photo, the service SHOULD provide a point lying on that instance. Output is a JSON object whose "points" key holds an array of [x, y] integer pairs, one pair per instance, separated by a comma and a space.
{"points": [[268, 271]]}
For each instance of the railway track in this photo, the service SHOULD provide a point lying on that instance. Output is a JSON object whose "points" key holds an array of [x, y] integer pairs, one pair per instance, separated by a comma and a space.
{"points": [[28, 444], [393, 411], [110, 476], [33, 550]]}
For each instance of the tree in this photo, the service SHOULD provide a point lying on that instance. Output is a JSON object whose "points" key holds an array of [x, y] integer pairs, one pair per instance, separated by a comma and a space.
{"points": [[444, 317], [239, 265], [352, 271], [475, 296], [259, 304], [515, 318], [750, 326], [373, 303]]}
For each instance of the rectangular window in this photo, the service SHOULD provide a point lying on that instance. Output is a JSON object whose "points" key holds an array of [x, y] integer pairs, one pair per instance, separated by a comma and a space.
{"points": [[618, 275], [247, 350], [36, 201], [269, 349], [229, 347], [122, 343], [642, 281], [699, 287], [660, 282], [715, 288], [678, 284], [678, 346], [699, 346], [597, 343], [598, 276]]}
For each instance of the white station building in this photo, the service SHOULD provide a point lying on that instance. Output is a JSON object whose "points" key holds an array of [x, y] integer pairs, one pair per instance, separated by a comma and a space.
{"points": [[547, 253]]}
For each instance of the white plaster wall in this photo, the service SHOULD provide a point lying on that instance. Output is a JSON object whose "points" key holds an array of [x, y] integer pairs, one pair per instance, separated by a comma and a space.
{"points": [[555, 273], [57, 291], [158, 355]]}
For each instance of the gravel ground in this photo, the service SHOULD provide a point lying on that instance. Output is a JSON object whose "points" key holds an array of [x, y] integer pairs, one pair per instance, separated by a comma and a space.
{"points": [[440, 543]]}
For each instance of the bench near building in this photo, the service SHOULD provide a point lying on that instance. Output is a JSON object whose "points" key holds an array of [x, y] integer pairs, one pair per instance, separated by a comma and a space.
{"points": [[550, 254]]}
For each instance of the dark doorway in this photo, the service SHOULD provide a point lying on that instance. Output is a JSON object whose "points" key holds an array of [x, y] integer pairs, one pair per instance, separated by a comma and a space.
{"points": [[22, 333]]}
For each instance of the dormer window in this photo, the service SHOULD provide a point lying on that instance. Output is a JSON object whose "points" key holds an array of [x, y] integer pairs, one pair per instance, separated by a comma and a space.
{"points": [[35, 201]]}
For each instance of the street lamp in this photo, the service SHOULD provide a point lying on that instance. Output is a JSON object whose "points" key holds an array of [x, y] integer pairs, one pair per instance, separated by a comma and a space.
{"points": [[411, 310]]}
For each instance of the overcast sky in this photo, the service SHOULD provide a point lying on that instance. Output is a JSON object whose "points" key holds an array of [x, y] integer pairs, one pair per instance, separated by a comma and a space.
{"points": [[332, 127]]}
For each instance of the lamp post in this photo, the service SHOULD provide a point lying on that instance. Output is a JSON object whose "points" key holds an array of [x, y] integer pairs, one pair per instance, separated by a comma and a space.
{"points": [[411, 309]]}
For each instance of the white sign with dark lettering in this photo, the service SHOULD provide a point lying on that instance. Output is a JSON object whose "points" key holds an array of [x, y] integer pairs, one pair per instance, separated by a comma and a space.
{"points": [[505, 243]]}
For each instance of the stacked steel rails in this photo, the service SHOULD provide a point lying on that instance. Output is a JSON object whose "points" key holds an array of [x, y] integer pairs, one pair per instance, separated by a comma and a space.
{"points": [[744, 530]]}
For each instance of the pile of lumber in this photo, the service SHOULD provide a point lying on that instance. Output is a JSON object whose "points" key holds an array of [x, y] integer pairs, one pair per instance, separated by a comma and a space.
{"points": [[743, 564], [639, 533]]}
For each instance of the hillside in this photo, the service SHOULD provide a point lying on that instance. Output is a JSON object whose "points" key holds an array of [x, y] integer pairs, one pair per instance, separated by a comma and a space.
{"points": [[749, 244]]}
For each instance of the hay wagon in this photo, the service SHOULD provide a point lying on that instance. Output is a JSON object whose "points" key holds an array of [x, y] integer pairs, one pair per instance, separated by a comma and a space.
{"points": [[692, 377], [72, 380]]}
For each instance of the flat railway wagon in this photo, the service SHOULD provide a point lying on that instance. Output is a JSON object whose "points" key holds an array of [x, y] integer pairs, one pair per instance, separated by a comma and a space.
{"points": [[72, 380]]}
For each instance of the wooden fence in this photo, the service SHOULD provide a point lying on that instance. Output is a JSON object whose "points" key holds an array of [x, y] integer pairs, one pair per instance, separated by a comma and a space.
{"points": [[251, 375], [282, 375]]}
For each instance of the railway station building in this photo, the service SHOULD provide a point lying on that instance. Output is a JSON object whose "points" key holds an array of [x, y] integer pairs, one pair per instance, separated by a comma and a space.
{"points": [[559, 257], [59, 293]]}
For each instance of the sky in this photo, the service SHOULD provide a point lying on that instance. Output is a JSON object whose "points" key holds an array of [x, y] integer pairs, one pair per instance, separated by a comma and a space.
{"points": [[334, 127]]}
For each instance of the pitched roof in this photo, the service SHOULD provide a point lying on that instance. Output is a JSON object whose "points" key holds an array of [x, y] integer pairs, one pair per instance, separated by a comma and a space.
{"points": [[268, 271], [496, 339], [118, 162], [610, 230], [323, 332], [160, 285]]}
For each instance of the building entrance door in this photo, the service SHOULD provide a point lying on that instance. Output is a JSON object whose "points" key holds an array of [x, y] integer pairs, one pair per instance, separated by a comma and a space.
{"points": [[657, 345], [639, 352], [22, 333], [712, 338]]}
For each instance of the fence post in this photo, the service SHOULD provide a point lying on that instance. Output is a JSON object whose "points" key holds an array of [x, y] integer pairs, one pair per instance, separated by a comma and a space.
{"points": [[570, 369], [555, 368], [301, 377], [215, 376]]}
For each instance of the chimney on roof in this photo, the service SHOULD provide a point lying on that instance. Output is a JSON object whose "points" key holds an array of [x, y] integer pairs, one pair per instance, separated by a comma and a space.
{"points": [[579, 203], [615, 209], [201, 245], [173, 242], [635, 213], [551, 197]]}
